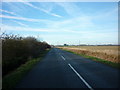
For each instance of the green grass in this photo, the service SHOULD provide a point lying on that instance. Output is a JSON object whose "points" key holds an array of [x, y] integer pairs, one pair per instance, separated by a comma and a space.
{"points": [[112, 64], [11, 80]]}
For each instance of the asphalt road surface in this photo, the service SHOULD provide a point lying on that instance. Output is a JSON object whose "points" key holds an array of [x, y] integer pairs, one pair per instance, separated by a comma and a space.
{"points": [[61, 69]]}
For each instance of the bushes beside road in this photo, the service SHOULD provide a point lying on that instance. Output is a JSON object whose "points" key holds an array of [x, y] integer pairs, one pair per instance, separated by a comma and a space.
{"points": [[17, 50]]}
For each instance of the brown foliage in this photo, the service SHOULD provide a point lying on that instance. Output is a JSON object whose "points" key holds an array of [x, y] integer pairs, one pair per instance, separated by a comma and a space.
{"points": [[17, 50]]}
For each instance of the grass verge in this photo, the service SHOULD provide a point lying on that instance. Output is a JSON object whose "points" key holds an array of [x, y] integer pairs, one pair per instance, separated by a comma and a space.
{"points": [[11, 80], [112, 64]]}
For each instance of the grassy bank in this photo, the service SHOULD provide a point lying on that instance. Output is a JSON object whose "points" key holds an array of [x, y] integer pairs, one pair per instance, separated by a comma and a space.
{"points": [[10, 80], [112, 64]]}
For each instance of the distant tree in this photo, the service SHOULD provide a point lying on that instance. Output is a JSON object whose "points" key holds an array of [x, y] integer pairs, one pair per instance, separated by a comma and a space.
{"points": [[65, 45]]}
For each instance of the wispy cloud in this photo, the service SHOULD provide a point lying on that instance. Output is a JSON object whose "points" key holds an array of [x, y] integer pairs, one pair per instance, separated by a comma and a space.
{"points": [[77, 23], [21, 18], [70, 8], [22, 24], [12, 13], [21, 28], [43, 10], [30, 5], [18, 28], [65, 30], [56, 15], [107, 13]]}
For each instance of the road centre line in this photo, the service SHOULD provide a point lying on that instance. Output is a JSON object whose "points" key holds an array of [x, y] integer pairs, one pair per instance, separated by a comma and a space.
{"points": [[63, 58], [81, 78]]}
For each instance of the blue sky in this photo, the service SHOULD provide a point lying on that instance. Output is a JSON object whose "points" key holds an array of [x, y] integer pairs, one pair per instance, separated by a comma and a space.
{"points": [[63, 22]]}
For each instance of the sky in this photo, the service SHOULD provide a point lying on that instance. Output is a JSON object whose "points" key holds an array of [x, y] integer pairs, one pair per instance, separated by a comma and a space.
{"points": [[61, 23]]}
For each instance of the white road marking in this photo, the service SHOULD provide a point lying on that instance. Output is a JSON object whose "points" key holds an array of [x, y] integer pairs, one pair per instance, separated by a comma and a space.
{"points": [[63, 58], [81, 78]]}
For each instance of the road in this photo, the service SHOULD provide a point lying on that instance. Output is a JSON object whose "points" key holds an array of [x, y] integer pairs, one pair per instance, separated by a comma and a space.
{"points": [[61, 69]]}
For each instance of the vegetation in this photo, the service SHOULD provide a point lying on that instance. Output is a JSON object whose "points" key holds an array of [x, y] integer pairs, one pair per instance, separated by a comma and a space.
{"points": [[11, 80], [109, 53], [17, 50], [94, 55]]}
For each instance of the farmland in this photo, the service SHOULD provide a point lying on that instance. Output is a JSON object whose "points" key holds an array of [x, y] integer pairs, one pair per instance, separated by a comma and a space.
{"points": [[109, 53]]}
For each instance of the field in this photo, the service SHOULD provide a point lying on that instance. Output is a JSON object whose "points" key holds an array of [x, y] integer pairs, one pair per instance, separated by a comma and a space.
{"points": [[109, 53]]}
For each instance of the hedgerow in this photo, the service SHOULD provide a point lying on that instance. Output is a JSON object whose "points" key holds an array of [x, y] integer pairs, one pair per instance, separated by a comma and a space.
{"points": [[17, 50]]}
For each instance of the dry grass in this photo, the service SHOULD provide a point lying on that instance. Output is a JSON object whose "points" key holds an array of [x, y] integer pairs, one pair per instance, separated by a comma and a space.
{"points": [[109, 53]]}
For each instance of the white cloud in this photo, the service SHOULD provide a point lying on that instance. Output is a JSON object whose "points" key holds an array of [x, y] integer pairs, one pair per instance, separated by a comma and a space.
{"points": [[56, 15], [107, 13], [12, 13], [83, 27], [46, 11], [22, 24], [21, 18], [86, 37], [70, 8], [77, 23], [72, 23], [20, 28], [16, 28], [31, 5]]}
